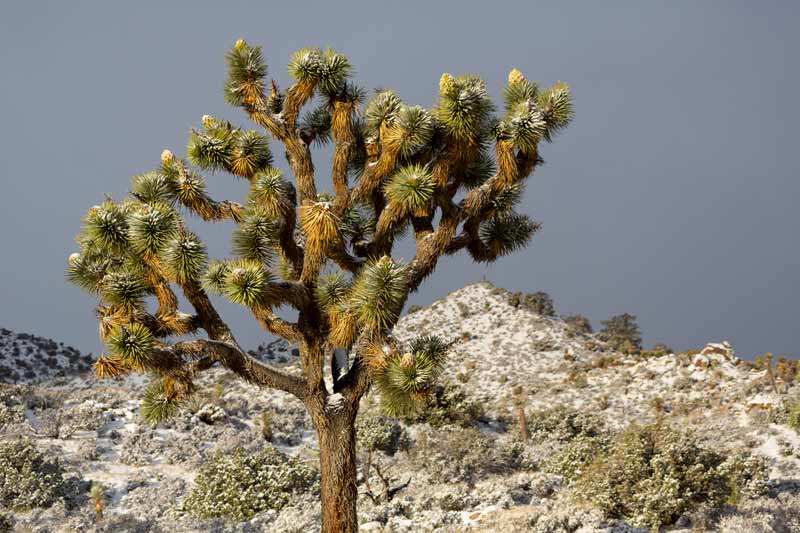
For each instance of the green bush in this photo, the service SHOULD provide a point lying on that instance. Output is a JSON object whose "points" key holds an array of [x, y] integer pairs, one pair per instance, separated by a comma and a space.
{"points": [[539, 302], [6, 523], [563, 424], [380, 433], [238, 486], [622, 333], [466, 455], [652, 475], [449, 404], [794, 418], [29, 479], [573, 458], [578, 325]]}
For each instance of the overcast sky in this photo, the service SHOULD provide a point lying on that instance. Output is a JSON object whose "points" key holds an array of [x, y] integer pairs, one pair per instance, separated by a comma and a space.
{"points": [[672, 196]]}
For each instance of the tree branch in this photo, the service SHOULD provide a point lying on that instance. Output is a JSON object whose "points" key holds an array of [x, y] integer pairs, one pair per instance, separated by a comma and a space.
{"points": [[234, 359]]}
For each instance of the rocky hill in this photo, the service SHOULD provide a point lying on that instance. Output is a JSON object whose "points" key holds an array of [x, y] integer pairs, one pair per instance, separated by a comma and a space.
{"points": [[525, 399], [26, 358]]}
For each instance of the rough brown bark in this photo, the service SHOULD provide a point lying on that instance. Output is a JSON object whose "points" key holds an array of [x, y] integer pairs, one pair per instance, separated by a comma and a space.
{"points": [[337, 457]]}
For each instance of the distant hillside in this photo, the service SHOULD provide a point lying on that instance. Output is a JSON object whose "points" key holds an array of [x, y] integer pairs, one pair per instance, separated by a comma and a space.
{"points": [[26, 358]]}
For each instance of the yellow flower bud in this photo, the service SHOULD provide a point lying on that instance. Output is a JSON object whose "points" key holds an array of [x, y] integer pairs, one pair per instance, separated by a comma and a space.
{"points": [[515, 76], [167, 157], [446, 83], [73, 258], [208, 121], [240, 43]]}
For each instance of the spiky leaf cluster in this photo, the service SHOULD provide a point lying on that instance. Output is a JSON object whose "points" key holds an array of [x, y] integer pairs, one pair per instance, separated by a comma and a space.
{"points": [[411, 189], [378, 293], [464, 106], [382, 110], [405, 379], [185, 257], [124, 290], [331, 290], [107, 225], [316, 125], [246, 72], [556, 107], [254, 237], [220, 146], [507, 233], [155, 187], [327, 70], [152, 228], [159, 403], [415, 129], [271, 193], [244, 282], [133, 343]]}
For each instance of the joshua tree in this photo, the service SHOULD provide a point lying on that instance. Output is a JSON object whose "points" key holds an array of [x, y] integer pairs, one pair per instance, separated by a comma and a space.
{"points": [[327, 255]]}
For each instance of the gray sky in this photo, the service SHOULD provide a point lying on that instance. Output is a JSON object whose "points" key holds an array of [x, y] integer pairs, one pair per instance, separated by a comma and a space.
{"points": [[672, 196]]}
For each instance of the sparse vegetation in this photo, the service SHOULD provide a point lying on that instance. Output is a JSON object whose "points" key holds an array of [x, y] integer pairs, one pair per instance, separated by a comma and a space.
{"points": [[563, 424], [449, 404], [578, 324], [651, 475], [539, 302], [794, 418], [28, 478], [238, 486]]}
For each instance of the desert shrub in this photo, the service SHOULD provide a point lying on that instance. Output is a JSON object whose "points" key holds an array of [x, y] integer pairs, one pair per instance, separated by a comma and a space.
{"points": [[571, 461], [622, 333], [6, 523], [577, 324], [651, 475], [449, 404], [659, 349], [265, 424], [380, 433], [12, 407], [238, 486], [794, 418], [28, 478], [746, 476], [539, 302], [563, 424], [460, 454], [786, 370]]}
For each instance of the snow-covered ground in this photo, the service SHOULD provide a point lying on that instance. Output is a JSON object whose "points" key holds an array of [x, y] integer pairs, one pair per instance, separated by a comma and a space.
{"points": [[505, 355]]}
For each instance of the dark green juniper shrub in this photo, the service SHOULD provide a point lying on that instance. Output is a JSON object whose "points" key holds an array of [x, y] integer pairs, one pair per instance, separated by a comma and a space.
{"points": [[28, 478], [539, 302], [239, 486], [578, 325], [622, 333], [652, 475]]}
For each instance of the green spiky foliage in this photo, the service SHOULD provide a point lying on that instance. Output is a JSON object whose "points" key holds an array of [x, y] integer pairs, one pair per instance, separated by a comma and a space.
{"points": [[133, 343], [450, 177]]}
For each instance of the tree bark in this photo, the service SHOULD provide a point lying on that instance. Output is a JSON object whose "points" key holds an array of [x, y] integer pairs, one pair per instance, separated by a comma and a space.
{"points": [[337, 456]]}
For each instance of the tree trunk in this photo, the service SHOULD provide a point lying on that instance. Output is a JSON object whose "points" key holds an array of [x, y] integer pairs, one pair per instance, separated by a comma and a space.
{"points": [[337, 457]]}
